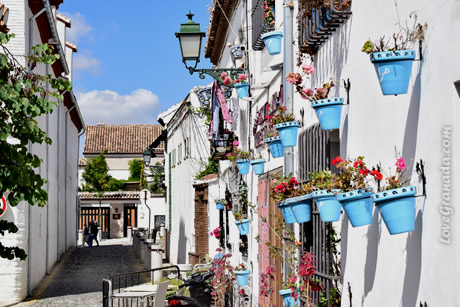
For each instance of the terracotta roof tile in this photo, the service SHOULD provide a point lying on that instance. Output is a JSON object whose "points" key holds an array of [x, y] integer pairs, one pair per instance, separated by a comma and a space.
{"points": [[120, 139]]}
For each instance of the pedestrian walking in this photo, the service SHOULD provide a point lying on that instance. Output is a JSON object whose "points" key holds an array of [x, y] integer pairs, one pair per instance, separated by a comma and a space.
{"points": [[85, 234], [94, 230]]}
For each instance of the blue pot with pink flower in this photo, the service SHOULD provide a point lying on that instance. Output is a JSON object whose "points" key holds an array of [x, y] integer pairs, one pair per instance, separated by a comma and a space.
{"points": [[242, 89], [358, 206], [397, 208], [275, 145], [329, 112], [287, 132]]}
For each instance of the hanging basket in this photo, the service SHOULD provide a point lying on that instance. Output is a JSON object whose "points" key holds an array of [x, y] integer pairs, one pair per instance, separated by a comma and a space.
{"points": [[328, 205], [242, 277], [272, 41], [242, 88], [288, 215], [220, 205], [243, 166], [243, 226], [301, 207], [329, 112], [258, 166], [393, 70], [397, 208], [358, 206], [288, 300], [288, 133], [275, 145]]}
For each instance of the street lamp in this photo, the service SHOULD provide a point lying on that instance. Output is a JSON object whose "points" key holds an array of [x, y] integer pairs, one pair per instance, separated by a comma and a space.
{"points": [[147, 156], [190, 38]]}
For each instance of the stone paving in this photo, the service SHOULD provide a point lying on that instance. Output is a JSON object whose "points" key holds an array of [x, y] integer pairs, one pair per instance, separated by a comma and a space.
{"points": [[77, 279]]}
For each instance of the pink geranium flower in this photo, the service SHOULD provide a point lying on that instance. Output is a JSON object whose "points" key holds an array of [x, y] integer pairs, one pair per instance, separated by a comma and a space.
{"points": [[294, 78], [308, 69], [227, 81], [400, 164], [223, 75], [236, 143]]}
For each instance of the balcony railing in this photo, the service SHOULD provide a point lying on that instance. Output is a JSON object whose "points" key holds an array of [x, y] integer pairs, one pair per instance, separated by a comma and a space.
{"points": [[318, 20]]}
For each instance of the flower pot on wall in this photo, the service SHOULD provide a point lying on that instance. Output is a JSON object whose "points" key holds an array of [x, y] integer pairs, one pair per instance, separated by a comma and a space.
{"points": [[288, 215], [242, 88], [328, 205], [236, 52], [301, 207], [275, 145], [393, 70], [288, 133], [242, 277], [258, 166], [329, 112], [288, 300], [272, 41], [397, 208], [243, 226], [358, 206], [243, 166], [220, 205]]}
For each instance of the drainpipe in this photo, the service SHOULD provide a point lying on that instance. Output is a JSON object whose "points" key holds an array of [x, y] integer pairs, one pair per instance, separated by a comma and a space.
{"points": [[47, 186], [77, 200], [65, 179], [288, 66]]}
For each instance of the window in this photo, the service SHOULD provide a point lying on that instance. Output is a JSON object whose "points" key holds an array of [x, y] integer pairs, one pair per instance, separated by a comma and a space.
{"points": [[316, 150], [179, 153], [185, 148], [263, 19]]}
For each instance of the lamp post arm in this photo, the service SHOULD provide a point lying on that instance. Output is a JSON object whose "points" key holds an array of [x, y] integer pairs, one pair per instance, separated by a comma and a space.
{"points": [[215, 73]]}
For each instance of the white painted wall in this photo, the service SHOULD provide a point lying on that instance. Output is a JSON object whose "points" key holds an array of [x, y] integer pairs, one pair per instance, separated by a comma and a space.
{"points": [[45, 233]]}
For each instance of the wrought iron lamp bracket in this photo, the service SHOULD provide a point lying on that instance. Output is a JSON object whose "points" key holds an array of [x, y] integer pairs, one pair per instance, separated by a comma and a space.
{"points": [[216, 73]]}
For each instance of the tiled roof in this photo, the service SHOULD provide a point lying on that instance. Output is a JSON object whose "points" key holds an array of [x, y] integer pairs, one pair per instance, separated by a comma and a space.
{"points": [[120, 139], [118, 195]]}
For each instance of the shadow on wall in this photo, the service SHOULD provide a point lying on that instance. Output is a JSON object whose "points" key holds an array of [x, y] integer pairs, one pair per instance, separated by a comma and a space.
{"points": [[413, 264], [344, 245], [373, 238], [411, 131], [182, 243]]}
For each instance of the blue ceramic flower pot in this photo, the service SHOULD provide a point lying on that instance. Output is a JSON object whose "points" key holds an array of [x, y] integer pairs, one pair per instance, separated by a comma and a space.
{"points": [[272, 41], [286, 210], [288, 133], [276, 147], [301, 207], [220, 205], [397, 208], [243, 166], [328, 205], [243, 226], [243, 89], [329, 112], [288, 300], [242, 277], [393, 70], [258, 166], [358, 206]]}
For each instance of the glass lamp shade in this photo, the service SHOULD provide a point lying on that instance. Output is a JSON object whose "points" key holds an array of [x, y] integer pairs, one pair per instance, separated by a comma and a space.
{"points": [[147, 156], [190, 45]]}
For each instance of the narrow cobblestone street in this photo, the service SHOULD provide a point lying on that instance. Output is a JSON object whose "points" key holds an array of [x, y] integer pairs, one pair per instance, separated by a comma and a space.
{"points": [[77, 279]]}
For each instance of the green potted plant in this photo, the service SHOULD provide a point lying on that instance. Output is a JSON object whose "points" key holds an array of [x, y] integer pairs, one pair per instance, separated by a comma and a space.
{"points": [[240, 157], [258, 165], [241, 215], [272, 39], [328, 110], [274, 143], [396, 202], [393, 63], [355, 191], [240, 83], [221, 204], [325, 187], [286, 125]]}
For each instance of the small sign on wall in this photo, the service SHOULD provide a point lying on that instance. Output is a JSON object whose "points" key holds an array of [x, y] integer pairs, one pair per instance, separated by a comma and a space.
{"points": [[116, 216]]}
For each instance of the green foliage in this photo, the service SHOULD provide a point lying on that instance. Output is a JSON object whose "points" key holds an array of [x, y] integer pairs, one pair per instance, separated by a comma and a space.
{"points": [[211, 168], [24, 97], [204, 111], [158, 175], [136, 167], [97, 176]]}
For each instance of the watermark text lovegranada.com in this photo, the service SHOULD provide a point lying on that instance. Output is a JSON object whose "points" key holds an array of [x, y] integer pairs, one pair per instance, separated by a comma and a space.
{"points": [[445, 207]]}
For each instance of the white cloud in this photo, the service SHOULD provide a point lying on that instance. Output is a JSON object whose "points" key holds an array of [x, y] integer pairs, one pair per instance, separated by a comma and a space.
{"points": [[139, 107], [80, 27], [84, 61]]}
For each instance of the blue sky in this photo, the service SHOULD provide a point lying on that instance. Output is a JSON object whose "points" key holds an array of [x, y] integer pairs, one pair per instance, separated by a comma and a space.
{"points": [[128, 66]]}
